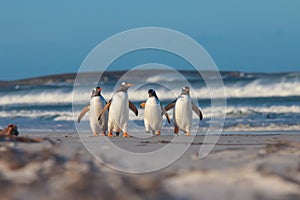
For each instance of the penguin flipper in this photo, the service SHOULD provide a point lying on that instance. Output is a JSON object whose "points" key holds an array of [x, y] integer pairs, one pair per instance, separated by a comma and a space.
{"points": [[84, 110], [168, 118], [197, 111], [106, 107], [170, 105], [163, 111], [133, 108]]}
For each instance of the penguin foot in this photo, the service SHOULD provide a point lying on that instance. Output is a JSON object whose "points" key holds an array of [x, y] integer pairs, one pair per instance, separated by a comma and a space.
{"points": [[125, 134], [110, 134], [188, 134], [103, 133], [176, 130], [96, 134], [142, 105], [158, 133]]}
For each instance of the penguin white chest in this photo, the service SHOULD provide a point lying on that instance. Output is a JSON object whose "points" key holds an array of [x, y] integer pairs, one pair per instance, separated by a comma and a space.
{"points": [[96, 105], [152, 114], [119, 112], [183, 113]]}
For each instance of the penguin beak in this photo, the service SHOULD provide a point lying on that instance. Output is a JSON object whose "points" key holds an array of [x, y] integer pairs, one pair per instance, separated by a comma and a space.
{"points": [[99, 89], [129, 84]]}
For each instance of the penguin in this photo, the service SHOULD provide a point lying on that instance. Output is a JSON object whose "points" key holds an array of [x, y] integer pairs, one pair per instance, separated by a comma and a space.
{"points": [[118, 114], [153, 113], [183, 111], [97, 103]]}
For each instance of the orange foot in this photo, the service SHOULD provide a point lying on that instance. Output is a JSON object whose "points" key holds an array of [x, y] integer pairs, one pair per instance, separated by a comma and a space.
{"points": [[95, 134], [188, 134], [125, 134], [158, 133], [110, 134], [176, 130], [103, 133]]}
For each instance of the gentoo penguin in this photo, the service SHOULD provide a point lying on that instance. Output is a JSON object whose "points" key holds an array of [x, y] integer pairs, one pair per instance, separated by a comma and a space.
{"points": [[153, 113], [97, 103], [118, 114], [182, 114]]}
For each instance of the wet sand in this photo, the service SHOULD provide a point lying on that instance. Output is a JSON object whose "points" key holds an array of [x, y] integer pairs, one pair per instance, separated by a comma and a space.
{"points": [[240, 166]]}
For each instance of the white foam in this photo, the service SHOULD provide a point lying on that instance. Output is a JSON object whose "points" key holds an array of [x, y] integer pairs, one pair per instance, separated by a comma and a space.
{"points": [[234, 111], [231, 111], [270, 109], [260, 89], [166, 77], [43, 98], [253, 89], [56, 115], [256, 88]]}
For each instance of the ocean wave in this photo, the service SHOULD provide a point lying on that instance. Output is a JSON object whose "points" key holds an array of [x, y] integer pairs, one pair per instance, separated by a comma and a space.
{"points": [[259, 88], [243, 118], [165, 77], [230, 111], [39, 115], [288, 85], [262, 109], [254, 89], [248, 91], [36, 98]]}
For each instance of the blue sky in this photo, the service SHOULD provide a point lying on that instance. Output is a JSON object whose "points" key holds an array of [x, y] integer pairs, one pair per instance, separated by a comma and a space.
{"points": [[51, 37]]}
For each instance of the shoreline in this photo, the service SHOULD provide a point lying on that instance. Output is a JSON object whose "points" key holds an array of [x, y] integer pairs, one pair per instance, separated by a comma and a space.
{"points": [[223, 133]]}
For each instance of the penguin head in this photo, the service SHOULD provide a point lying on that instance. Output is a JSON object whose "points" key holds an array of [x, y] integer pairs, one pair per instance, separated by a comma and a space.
{"points": [[152, 93], [96, 92], [124, 86], [185, 90]]}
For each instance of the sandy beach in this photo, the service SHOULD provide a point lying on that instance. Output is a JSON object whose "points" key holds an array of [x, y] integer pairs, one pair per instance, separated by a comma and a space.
{"points": [[241, 166]]}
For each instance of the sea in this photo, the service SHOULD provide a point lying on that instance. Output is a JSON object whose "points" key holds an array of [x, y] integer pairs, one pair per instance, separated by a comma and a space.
{"points": [[254, 102]]}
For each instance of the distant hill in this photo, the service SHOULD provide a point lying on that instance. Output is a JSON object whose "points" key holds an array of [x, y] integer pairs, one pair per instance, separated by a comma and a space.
{"points": [[113, 76]]}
